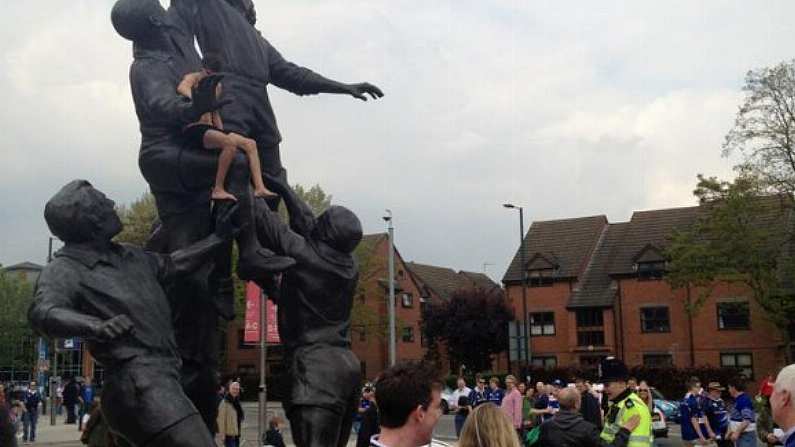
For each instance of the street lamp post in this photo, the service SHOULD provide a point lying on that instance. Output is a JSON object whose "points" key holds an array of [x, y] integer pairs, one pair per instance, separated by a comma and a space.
{"points": [[54, 365], [262, 421], [391, 303], [524, 282]]}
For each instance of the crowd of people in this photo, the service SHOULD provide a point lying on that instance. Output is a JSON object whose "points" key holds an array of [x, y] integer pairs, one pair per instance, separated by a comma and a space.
{"points": [[21, 405], [405, 403], [403, 406]]}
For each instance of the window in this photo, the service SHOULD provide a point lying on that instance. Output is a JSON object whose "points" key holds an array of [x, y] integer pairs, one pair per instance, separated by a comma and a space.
{"points": [[655, 319], [407, 300], [542, 323], [590, 324], [734, 316], [658, 360], [648, 271], [590, 338], [742, 361], [540, 278], [546, 362], [590, 318], [400, 274], [408, 334]]}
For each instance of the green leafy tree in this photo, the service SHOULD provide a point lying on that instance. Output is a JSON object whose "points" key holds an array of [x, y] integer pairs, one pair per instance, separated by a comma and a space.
{"points": [[138, 218], [741, 237], [473, 324], [16, 336], [764, 128], [364, 317]]}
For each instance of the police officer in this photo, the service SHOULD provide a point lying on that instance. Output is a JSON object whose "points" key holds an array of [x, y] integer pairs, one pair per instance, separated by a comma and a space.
{"points": [[628, 419]]}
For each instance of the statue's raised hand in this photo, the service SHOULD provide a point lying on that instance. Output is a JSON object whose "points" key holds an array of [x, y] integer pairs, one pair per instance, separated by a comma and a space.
{"points": [[360, 91], [205, 97]]}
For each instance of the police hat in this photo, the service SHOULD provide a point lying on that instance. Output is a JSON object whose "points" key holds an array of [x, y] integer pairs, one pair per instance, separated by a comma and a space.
{"points": [[614, 370]]}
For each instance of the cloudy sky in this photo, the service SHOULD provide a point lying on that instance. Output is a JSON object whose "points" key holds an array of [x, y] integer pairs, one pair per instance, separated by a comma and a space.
{"points": [[567, 108]]}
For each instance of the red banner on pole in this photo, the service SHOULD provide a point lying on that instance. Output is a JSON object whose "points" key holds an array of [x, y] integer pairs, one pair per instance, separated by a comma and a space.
{"points": [[252, 329]]}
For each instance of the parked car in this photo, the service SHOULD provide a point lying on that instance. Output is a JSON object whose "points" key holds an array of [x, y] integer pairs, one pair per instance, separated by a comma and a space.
{"points": [[669, 408], [659, 425], [447, 400]]}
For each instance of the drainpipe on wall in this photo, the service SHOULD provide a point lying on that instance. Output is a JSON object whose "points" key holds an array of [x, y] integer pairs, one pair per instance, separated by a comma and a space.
{"points": [[690, 330], [620, 319]]}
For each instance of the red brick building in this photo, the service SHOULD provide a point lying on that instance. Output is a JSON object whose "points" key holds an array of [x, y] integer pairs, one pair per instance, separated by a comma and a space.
{"points": [[597, 288], [369, 326]]}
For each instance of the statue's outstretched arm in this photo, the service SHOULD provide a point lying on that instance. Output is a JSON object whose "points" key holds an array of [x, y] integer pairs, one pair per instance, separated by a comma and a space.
{"points": [[275, 234], [190, 258], [303, 81], [302, 218]]}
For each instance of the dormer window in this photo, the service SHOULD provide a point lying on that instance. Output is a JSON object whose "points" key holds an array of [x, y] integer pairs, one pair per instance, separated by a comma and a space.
{"points": [[541, 270], [648, 271], [540, 278], [650, 263]]}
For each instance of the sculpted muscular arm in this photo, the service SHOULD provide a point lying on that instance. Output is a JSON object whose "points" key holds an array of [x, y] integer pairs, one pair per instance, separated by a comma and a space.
{"points": [[54, 311]]}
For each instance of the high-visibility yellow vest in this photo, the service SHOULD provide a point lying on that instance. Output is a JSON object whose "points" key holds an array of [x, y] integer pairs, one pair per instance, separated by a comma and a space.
{"points": [[632, 405]]}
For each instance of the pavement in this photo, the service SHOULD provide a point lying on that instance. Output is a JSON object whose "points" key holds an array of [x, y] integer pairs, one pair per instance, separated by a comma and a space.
{"points": [[62, 435]]}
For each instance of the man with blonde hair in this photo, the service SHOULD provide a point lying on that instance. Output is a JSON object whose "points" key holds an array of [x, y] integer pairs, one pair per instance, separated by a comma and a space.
{"points": [[783, 405]]}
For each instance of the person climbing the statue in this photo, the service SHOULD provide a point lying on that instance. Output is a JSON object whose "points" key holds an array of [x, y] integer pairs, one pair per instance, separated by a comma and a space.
{"points": [[208, 132]]}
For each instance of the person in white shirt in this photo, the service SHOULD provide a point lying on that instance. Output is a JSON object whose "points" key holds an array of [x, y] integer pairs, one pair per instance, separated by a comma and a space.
{"points": [[460, 406], [782, 404]]}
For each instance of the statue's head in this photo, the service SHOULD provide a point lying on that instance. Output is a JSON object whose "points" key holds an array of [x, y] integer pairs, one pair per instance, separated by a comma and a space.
{"points": [[138, 20], [246, 7], [79, 213], [338, 228]]}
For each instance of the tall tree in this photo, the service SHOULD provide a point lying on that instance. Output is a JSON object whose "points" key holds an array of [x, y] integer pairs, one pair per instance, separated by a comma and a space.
{"points": [[742, 237], [764, 128], [473, 324], [16, 337], [138, 218]]}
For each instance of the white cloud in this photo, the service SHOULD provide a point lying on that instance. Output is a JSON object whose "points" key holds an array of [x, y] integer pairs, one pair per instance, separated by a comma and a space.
{"points": [[572, 108]]}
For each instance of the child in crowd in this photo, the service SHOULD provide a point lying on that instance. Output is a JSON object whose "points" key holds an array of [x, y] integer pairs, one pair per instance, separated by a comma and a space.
{"points": [[273, 437], [208, 132]]}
